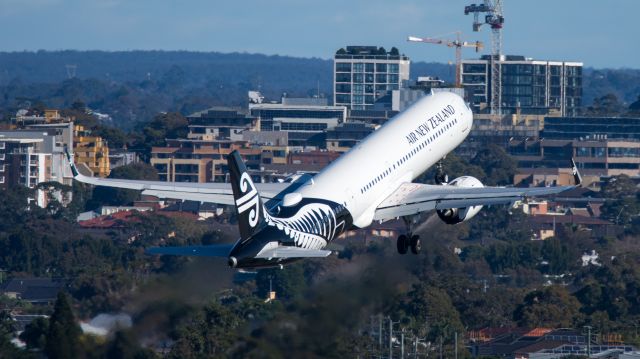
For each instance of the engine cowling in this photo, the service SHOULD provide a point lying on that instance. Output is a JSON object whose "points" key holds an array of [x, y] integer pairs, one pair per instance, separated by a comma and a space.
{"points": [[459, 215]]}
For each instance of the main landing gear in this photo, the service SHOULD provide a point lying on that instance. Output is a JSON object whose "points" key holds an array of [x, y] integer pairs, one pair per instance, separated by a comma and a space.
{"points": [[441, 176], [406, 241]]}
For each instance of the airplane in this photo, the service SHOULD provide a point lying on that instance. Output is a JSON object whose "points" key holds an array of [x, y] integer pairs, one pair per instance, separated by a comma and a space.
{"points": [[283, 222]]}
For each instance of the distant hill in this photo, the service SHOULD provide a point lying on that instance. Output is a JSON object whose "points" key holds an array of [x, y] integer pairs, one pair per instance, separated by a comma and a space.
{"points": [[135, 85]]}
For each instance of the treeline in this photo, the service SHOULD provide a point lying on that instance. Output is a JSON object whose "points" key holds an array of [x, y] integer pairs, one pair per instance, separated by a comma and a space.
{"points": [[133, 86]]}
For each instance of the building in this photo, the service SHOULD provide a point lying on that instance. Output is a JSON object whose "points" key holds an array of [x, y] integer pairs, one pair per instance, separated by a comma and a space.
{"points": [[346, 135], [402, 98], [361, 74], [527, 86], [118, 158], [527, 343], [374, 116], [194, 160], [91, 151], [29, 158], [591, 128], [220, 123], [595, 157], [33, 290], [305, 124]]}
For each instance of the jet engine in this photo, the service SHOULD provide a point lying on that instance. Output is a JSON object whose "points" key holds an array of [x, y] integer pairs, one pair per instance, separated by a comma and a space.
{"points": [[459, 215]]}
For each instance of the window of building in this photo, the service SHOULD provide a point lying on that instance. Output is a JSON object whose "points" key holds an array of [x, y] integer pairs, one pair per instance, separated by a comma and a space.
{"points": [[344, 88], [358, 78], [474, 68], [342, 77], [394, 68], [368, 67], [358, 67], [343, 67]]}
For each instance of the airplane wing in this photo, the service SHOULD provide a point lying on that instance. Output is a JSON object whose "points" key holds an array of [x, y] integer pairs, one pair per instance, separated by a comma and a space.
{"points": [[292, 252], [220, 193], [413, 198]]}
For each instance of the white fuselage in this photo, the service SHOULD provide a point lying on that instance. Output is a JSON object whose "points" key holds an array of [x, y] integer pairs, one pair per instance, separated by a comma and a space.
{"points": [[399, 151]]}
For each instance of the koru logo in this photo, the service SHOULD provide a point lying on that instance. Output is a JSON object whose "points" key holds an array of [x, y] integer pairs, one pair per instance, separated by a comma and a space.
{"points": [[249, 199]]}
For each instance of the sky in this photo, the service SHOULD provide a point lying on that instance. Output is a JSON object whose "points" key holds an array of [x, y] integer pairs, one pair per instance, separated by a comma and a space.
{"points": [[599, 34]]}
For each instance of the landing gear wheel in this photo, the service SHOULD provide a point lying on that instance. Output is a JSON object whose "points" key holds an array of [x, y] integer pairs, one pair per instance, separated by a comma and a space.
{"points": [[441, 177], [403, 244], [415, 244]]}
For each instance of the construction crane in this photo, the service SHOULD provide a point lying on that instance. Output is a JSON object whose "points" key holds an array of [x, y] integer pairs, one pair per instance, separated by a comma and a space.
{"points": [[495, 19], [457, 43]]}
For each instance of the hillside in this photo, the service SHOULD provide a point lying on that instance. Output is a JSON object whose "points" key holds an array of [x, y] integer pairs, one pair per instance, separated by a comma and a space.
{"points": [[135, 85]]}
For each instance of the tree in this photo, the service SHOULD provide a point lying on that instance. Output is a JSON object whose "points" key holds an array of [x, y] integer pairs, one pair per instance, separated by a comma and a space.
{"points": [[634, 108], [35, 333], [551, 307], [498, 166], [210, 333], [125, 346], [434, 305], [64, 332], [288, 283], [607, 105], [621, 204]]}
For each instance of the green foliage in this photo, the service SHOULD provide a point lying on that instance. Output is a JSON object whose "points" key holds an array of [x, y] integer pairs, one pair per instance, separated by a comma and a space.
{"points": [[35, 333], [124, 345], [64, 333], [552, 307], [210, 333], [163, 126], [435, 306], [607, 105], [498, 166], [288, 283]]}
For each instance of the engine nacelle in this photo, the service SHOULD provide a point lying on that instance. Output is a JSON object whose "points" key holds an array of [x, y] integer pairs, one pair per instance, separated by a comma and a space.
{"points": [[459, 215]]}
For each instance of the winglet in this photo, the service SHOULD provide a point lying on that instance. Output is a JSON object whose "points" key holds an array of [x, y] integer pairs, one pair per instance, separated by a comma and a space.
{"points": [[74, 170], [576, 174]]}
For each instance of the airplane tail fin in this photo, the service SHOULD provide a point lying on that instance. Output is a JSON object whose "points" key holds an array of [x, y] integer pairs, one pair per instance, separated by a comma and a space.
{"points": [[247, 199]]}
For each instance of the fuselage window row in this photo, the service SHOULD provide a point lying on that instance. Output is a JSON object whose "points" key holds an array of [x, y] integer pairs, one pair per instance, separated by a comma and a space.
{"points": [[409, 155]]}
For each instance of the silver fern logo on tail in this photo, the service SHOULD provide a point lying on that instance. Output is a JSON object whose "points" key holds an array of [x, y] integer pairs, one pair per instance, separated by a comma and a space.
{"points": [[312, 227], [249, 199]]}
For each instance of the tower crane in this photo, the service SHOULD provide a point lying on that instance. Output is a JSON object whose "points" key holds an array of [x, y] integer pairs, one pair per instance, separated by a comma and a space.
{"points": [[495, 19], [457, 43]]}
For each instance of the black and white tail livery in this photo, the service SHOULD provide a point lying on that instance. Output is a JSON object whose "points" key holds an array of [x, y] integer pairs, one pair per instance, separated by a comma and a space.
{"points": [[246, 197]]}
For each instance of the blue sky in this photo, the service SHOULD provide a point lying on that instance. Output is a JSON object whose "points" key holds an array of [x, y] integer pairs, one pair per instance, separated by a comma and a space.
{"points": [[600, 34]]}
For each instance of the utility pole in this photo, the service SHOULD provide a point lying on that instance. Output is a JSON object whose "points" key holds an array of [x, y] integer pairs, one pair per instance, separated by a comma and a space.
{"points": [[402, 344], [391, 323], [380, 333], [588, 327], [455, 341]]}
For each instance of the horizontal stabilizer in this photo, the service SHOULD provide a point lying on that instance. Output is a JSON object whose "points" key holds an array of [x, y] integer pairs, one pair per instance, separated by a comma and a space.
{"points": [[293, 252], [217, 250]]}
